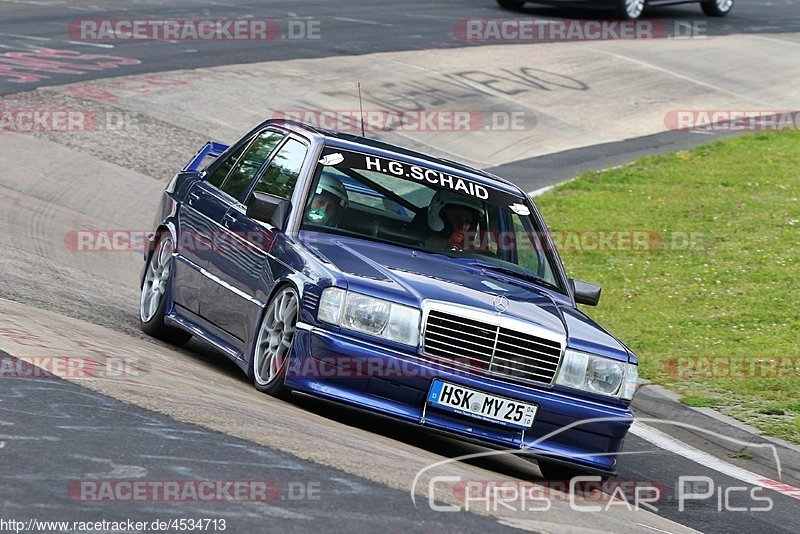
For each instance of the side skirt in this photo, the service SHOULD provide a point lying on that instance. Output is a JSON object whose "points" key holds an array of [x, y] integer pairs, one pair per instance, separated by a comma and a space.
{"points": [[184, 319]]}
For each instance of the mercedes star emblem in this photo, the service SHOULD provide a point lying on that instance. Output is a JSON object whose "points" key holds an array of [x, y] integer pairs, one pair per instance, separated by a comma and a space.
{"points": [[500, 303]]}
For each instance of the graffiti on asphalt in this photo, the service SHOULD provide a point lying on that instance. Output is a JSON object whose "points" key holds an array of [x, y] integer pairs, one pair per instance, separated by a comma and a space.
{"points": [[35, 65]]}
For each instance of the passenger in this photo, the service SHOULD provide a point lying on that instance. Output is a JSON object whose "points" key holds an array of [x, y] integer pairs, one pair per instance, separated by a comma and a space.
{"points": [[329, 202], [450, 216]]}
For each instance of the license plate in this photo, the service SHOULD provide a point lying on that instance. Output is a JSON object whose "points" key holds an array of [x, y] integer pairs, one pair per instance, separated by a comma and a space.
{"points": [[466, 401]]}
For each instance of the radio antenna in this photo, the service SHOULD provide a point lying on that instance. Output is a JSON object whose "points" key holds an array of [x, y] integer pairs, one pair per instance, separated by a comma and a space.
{"points": [[361, 109]]}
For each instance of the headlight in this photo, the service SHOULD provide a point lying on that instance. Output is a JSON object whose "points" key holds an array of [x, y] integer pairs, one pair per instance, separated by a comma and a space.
{"points": [[597, 374], [370, 315], [631, 378], [365, 314]]}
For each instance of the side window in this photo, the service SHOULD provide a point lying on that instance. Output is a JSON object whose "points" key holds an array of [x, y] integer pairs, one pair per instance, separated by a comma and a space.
{"points": [[281, 174], [529, 249], [218, 176], [247, 167]]}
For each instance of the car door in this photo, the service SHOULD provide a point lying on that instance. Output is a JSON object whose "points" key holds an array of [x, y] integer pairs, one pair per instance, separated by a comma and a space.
{"points": [[197, 225], [239, 265]]}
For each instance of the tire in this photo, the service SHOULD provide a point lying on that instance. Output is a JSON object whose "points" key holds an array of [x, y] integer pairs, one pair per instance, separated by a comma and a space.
{"points": [[717, 8], [630, 9], [511, 4], [274, 342], [155, 294]]}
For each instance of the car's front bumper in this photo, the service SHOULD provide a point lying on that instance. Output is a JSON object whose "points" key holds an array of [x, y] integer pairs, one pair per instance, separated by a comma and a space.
{"points": [[567, 428]]}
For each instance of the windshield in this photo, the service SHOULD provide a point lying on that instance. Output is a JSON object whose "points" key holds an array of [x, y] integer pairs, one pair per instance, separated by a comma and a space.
{"points": [[384, 200]]}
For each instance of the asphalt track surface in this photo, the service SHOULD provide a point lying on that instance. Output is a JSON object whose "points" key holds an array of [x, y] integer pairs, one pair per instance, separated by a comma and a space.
{"points": [[346, 28], [69, 433], [73, 434]]}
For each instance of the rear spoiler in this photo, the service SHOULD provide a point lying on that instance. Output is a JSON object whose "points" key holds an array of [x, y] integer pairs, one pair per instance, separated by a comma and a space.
{"points": [[212, 149]]}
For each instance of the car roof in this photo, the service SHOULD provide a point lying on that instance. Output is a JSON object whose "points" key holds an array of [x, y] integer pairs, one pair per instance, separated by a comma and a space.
{"points": [[357, 142]]}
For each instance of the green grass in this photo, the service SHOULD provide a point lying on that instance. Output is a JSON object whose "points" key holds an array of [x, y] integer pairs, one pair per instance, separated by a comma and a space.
{"points": [[732, 294]]}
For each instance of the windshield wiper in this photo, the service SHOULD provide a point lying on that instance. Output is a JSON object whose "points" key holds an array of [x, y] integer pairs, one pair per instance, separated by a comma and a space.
{"points": [[528, 276]]}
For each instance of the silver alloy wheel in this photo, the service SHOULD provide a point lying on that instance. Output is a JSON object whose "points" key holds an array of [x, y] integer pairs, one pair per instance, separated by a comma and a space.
{"points": [[155, 281], [634, 8], [275, 336], [724, 5]]}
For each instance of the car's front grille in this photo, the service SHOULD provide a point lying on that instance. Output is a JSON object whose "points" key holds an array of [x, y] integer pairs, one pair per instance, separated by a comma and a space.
{"points": [[485, 348]]}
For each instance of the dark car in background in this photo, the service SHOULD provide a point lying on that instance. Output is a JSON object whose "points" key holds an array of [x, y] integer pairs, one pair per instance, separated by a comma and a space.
{"points": [[630, 9]]}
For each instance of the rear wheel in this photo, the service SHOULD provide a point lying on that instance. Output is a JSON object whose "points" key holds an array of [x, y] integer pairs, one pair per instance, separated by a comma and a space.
{"points": [[155, 294], [274, 342], [717, 8], [630, 9]]}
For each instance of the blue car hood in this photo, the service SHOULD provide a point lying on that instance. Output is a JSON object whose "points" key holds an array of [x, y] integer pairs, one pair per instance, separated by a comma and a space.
{"points": [[407, 276]]}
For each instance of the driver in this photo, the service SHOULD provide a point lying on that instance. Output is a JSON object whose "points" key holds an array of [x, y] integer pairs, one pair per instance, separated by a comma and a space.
{"points": [[450, 216], [329, 202]]}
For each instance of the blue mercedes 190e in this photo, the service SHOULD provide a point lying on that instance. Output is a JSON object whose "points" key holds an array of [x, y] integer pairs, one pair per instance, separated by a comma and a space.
{"points": [[415, 287]]}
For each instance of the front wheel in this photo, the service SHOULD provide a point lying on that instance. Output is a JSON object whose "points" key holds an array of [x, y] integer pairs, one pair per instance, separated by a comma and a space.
{"points": [[717, 8], [630, 9], [274, 342], [154, 297]]}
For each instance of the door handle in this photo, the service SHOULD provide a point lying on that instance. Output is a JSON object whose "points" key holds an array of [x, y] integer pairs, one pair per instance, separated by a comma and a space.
{"points": [[193, 197], [228, 218]]}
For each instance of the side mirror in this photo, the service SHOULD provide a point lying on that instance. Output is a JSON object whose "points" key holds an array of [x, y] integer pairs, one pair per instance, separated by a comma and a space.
{"points": [[269, 209], [585, 293]]}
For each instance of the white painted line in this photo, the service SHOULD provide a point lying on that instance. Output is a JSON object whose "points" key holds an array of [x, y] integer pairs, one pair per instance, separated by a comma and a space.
{"points": [[30, 438], [652, 528], [774, 40], [778, 40], [17, 36], [361, 21], [670, 444], [680, 76], [48, 4], [98, 45], [542, 190], [424, 16]]}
